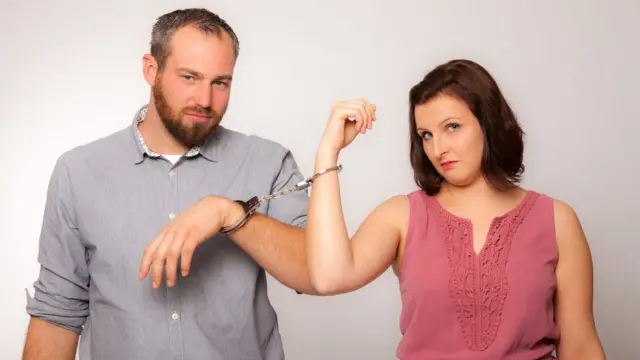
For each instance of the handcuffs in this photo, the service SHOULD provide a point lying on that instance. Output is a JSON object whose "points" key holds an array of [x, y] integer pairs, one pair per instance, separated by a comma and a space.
{"points": [[251, 205]]}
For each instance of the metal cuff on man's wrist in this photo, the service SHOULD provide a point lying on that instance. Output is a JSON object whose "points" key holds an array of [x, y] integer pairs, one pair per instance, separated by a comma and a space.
{"points": [[249, 207]]}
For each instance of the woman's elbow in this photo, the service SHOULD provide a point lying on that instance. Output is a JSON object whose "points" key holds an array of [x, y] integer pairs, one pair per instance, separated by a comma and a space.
{"points": [[329, 284], [324, 286], [587, 350]]}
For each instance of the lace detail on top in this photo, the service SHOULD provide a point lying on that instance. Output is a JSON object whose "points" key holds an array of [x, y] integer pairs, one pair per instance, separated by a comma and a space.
{"points": [[478, 284]]}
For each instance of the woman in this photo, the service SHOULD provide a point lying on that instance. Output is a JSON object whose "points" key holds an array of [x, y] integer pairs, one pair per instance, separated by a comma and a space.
{"points": [[487, 269]]}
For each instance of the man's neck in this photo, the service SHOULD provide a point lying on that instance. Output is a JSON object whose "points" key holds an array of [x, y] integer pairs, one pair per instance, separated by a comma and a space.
{"points": [[156, 136]]}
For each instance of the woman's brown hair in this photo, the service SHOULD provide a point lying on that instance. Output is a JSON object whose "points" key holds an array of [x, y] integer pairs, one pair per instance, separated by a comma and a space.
{"points": [[469, 82]]}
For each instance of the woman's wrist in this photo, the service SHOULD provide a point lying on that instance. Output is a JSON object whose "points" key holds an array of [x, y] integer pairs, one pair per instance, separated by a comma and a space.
{"points": [[326, 157]]}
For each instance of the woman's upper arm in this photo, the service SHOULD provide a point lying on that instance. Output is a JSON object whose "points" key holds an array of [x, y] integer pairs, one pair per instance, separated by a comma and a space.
{"points": [[574, 296], [375, 244]]}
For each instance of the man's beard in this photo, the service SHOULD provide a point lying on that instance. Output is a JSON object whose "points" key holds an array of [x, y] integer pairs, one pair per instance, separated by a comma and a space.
{"points": [[174, 121]]}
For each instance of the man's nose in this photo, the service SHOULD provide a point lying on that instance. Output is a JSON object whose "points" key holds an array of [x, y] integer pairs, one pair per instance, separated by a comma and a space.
{"points": [[203, 97]]}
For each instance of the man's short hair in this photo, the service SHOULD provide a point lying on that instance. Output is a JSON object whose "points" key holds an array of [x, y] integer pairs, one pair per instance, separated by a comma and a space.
{"points": [[203, 19]]}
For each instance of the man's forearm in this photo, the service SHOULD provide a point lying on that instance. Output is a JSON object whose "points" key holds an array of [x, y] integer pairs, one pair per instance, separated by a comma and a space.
{"points": [[279, 248], [50, 342]]}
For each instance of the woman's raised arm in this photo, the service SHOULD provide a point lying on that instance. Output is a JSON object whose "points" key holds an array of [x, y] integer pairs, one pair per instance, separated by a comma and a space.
{"points": [[336, 263]]}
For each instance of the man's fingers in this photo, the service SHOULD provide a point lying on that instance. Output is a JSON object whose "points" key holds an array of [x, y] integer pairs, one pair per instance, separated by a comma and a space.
{"points": [[156, 273], [187, 254], [160, 257], [175, 248], [149, 253]]}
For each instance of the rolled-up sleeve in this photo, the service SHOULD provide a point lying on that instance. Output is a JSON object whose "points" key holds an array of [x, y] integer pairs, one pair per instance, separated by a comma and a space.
{"points": [[292, 208], [61, 294]]}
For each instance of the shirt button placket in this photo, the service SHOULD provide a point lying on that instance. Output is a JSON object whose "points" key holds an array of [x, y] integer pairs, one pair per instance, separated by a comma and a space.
{"points": [[175, 326], [174, 189]]}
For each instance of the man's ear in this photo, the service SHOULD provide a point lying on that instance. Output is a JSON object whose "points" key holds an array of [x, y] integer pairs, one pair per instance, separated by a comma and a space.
{"points": [[149, 69]]}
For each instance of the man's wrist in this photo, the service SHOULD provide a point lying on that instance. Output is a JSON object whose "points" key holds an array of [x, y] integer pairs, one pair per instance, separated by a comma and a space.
{"points": [[232, 212]]}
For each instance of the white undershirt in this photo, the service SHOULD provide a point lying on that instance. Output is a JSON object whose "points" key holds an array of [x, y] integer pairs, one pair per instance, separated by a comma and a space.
{"points": [[172, 158]]}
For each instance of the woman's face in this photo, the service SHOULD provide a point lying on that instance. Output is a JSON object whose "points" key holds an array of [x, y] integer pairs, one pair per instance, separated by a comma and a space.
{"points": [[451, 138]]}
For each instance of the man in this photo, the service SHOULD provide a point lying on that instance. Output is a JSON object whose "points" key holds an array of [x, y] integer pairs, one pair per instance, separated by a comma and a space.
{"points": [[108, 200]]}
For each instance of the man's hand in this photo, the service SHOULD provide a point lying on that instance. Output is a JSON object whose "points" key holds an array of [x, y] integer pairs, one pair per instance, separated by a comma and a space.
{"points": [[179, 239]]}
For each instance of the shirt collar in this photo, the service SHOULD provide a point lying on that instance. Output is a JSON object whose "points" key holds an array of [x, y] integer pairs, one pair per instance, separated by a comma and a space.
{"points": [[207, 150]]}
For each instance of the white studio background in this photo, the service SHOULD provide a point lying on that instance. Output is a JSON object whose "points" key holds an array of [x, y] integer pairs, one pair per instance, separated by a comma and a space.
{"points": [[71, 72]]}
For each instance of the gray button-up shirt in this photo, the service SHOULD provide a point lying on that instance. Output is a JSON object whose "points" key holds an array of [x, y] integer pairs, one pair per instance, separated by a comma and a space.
{"points": [[108, 199]]}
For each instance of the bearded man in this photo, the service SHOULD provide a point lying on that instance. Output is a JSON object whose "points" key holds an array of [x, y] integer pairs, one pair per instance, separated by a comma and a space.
{"points": [[107, 200]]}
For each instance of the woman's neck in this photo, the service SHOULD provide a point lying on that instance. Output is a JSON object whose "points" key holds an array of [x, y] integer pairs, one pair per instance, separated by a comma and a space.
{"points": [[479, 192]]}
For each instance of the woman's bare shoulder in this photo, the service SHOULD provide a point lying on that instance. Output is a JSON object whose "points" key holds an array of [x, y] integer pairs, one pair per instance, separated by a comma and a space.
{"points": [[396, 206], [398, 201]]}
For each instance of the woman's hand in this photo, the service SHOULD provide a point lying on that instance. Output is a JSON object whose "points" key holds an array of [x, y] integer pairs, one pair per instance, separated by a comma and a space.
{"points": [[347, 120]]}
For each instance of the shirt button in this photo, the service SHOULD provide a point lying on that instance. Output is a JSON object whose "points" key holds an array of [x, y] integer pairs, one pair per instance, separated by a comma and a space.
{"points": [[171, 173], [175, 315], [172, 215]]}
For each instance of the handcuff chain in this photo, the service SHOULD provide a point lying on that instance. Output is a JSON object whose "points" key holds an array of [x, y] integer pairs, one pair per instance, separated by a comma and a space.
{"points": [[253, 204], [304, 184]]}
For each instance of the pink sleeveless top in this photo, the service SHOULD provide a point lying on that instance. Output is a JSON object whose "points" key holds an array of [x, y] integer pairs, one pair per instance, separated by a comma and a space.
{"points": [[498, 305]]}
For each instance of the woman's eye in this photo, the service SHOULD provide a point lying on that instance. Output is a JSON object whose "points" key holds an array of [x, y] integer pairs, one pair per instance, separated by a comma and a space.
{"points": [[426, 135], [453, 127]]}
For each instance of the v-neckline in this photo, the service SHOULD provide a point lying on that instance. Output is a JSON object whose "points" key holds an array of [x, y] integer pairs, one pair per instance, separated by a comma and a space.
{"points": [[492, 225]]}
